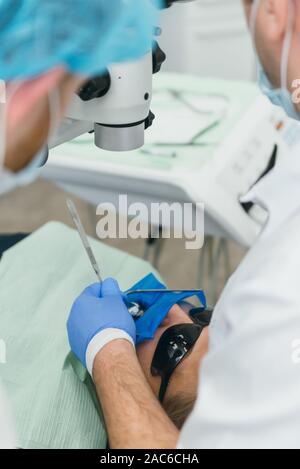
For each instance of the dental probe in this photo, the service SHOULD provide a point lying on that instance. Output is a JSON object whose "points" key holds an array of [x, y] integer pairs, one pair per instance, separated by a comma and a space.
{"points": [[134, 309], [78, 223], [134, 292]]}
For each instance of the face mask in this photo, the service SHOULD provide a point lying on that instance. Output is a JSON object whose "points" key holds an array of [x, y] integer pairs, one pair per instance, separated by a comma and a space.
{"points": [[9, 180], [281, 96]]}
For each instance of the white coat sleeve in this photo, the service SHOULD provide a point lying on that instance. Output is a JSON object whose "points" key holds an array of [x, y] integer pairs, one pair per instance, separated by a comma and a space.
{"points": [[249, 390], [7, 434]]}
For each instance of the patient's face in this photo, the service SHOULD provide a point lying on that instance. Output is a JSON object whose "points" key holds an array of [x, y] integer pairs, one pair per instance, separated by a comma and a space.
{"points": [[186, 375]]}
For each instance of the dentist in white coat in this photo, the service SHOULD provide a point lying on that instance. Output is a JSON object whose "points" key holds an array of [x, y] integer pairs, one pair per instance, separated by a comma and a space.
{"points": [[249, 393], [249, 388]]}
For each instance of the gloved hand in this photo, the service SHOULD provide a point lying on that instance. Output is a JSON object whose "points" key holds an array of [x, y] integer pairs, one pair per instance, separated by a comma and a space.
{"points": [[98, 316]]}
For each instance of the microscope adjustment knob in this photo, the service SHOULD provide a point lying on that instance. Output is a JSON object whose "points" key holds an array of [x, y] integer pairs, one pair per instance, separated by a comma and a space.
{"points": [[169, 3], [159, 57], [149, 120], [96, 87]]}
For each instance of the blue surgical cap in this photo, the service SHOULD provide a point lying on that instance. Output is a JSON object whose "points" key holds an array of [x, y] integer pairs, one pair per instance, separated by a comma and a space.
{"points": [[84, 36]]}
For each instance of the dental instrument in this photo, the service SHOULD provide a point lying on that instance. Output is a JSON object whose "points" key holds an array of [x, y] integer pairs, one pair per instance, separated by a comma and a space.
{"points": [[136, 292], [78, 223], [133, 308]]}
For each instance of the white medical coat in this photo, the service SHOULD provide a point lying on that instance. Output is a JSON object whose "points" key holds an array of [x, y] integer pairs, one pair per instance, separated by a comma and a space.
{"points": [[249, 390], [7, 436]]}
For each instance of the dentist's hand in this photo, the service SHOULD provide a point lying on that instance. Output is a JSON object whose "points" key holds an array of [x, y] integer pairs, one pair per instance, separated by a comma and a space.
{"points": [[98, 316]]}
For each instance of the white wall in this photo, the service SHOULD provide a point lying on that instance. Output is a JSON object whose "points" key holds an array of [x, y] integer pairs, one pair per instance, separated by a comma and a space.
{"points": [[208, 38]]}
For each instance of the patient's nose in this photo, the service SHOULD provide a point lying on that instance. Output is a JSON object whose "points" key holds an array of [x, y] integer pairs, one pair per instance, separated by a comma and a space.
{"points": [[176, 315]]}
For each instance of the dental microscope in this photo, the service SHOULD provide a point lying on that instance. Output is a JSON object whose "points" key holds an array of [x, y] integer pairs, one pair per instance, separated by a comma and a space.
{"points": [[116, 105]]}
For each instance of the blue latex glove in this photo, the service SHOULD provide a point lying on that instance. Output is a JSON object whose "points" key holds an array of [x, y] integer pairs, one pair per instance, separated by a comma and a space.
{"points": [[99, 308], [156, 305]]}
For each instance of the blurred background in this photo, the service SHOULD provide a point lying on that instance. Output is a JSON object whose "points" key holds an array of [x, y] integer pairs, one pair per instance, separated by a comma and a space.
{"points": [[207, 38]]}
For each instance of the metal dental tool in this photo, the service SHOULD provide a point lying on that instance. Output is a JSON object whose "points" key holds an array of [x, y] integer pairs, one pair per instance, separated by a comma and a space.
{"points": [[78, 223], [133, 308], [135, 292]]}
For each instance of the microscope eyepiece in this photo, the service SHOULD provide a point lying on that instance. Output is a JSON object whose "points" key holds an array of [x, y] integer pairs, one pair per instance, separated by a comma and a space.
{"points": [[96, 87]]}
